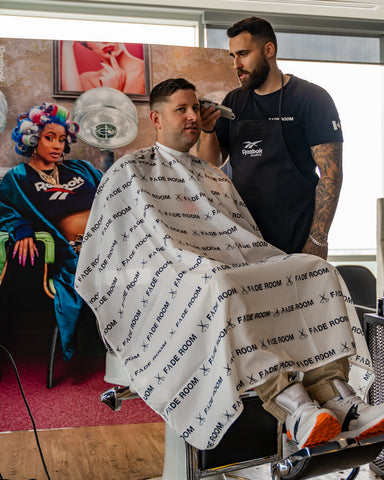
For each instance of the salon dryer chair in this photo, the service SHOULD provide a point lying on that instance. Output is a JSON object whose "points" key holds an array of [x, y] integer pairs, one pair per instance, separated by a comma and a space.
{"points": [[256, 438], [10, 281]]}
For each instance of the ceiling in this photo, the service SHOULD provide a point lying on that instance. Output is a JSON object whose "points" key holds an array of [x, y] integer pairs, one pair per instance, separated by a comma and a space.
{"points": [[372, 10], [369, 9]]}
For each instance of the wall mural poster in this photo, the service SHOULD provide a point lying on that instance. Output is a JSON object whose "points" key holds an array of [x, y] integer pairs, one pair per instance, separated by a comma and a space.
{"points": [[80, 66], [28, 68]]}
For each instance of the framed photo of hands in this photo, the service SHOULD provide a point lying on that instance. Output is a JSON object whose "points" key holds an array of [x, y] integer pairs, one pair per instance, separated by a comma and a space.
{"points": [[79, 66]]}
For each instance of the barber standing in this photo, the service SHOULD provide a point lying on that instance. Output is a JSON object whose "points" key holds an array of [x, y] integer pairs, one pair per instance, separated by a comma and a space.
{"points": [[285, 128]]}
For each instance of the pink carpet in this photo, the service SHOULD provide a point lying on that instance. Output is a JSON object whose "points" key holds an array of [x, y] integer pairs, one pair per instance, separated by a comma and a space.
{"points": [[72, 402]]}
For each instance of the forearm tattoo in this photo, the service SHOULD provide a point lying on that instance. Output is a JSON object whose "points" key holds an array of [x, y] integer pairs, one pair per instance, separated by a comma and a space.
{"points": [[328, 157]]}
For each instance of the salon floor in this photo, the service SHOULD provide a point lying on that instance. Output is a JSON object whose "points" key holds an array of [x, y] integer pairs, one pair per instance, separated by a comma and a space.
{"points": [[113, 452]]}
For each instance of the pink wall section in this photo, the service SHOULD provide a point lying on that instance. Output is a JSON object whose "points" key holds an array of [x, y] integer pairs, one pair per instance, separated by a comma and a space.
{"points": [[26, 79]]}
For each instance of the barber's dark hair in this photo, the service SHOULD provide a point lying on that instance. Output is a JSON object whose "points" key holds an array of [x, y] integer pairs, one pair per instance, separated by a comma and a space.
{"points": [[165, 89], [256, 26]]}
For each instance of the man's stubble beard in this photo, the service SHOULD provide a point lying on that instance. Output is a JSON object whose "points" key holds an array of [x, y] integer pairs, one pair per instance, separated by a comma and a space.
{"points": [[257, 76]]}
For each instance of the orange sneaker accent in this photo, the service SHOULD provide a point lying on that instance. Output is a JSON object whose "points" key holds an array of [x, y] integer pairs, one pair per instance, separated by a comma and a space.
{"points": [[325, 429], [372, 431]]}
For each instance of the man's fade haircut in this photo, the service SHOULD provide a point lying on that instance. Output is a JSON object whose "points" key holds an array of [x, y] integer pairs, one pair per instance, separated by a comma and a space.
{"points": [[165, 89], [257, 27]]}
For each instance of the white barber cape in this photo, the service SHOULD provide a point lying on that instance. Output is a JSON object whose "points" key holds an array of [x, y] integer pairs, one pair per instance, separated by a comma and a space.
{"points": [[198, 307]]}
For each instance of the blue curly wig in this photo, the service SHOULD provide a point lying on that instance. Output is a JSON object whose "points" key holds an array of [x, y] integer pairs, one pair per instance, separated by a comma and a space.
{"points": [[30, 125]]}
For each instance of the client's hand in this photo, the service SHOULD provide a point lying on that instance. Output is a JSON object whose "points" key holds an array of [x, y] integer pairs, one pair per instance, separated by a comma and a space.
{"points": [[23, 247]]}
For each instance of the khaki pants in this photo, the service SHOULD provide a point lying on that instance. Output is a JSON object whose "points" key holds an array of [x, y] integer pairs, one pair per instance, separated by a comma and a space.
{"points": [[317, 382]]}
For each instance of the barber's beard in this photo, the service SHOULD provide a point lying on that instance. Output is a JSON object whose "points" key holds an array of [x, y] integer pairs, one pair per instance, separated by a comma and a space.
{"points": [[257, 76]]}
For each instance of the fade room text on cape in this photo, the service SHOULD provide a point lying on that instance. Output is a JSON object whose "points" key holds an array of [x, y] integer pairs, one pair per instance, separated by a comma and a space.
{"points": [[198, 307]]}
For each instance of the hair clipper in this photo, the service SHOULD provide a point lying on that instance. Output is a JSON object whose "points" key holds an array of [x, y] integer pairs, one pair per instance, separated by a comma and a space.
{"points": [[226, 112]]}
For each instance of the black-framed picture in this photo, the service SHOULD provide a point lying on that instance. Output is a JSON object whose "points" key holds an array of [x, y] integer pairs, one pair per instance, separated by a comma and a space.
{"points": [[79, 66]]}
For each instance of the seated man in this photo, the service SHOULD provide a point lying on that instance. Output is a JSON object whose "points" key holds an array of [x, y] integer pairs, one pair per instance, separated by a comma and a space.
{"points": [[199, 308]]}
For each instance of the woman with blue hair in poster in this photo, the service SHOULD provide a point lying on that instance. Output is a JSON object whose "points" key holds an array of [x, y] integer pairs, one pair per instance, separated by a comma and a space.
{"points": [[51, 194]]}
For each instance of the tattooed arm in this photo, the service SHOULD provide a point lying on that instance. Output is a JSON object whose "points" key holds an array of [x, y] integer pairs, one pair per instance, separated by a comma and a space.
{"points": [[328, 158]]}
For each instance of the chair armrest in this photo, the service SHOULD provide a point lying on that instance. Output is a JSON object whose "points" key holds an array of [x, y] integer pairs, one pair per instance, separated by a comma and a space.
{"points": [[49, 244], [49, 258], [4, 236], [44, 237], [365, 308]]}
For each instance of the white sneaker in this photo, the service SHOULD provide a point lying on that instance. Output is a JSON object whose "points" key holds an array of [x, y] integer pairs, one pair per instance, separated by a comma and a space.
{"points": [[358, 419], [307, 423], [311, 425]]}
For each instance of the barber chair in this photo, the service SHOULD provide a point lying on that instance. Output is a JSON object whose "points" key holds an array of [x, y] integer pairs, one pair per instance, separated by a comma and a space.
{"points": [[361, 284], [46, 246], [256, 438]]}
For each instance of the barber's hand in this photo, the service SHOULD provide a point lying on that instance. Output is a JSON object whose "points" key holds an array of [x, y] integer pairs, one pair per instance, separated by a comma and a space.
{"points": [[113, 75], [209, 117], [313, 249], [22, 248]]}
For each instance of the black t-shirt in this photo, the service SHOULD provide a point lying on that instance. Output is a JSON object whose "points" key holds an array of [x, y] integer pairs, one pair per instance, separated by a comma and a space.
{"points": [[309, 118]]}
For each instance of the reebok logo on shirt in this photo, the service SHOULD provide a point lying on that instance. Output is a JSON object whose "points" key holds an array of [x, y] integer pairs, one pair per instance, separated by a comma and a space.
{"points": [[251, 149], [60, 192]]}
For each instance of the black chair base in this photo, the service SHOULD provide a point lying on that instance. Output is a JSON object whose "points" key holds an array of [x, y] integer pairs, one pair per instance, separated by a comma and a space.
{"points": [[255, 434]]}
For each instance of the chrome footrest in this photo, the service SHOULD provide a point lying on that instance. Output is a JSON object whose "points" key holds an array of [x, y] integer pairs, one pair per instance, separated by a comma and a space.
{"points": [[331, 457]]}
